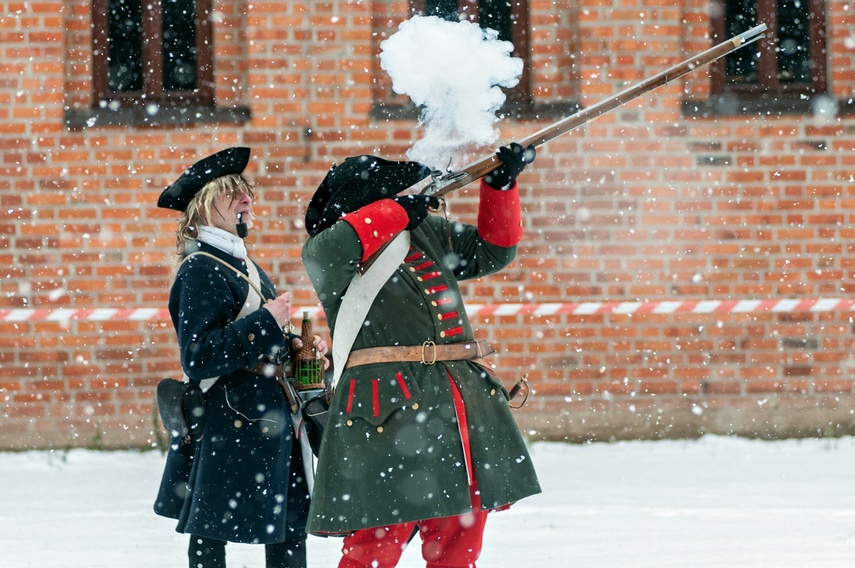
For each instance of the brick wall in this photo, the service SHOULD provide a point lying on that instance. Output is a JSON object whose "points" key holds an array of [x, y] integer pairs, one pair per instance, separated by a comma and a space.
{"points": [[643, 205]]}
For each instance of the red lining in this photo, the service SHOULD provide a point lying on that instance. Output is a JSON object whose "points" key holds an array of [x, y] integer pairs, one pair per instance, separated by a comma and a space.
{"points": [[463, 427]]}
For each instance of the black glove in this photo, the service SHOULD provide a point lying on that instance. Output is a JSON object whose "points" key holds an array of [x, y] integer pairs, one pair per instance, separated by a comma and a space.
{"points": [[416, 207], [514, 159]]}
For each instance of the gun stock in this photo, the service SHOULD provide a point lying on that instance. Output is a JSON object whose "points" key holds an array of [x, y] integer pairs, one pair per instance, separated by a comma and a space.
{"points": [[476, 170]]}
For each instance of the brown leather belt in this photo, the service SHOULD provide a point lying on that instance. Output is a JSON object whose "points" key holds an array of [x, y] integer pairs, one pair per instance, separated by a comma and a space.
{"points": [[427, 353]]}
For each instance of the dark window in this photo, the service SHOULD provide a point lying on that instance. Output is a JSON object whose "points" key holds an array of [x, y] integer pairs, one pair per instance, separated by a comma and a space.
{"points": [[508, 17], [789, 60], [152, 51]]}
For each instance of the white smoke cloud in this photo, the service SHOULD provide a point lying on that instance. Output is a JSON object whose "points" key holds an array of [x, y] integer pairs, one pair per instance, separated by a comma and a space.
{"points": [[454, 70]]}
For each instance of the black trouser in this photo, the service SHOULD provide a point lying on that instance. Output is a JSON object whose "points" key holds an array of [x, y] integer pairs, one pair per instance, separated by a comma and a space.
{"points": [[210, 553]]}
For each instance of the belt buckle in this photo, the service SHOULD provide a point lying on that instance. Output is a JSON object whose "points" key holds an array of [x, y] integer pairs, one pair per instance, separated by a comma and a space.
{"points": [[428, 344]]}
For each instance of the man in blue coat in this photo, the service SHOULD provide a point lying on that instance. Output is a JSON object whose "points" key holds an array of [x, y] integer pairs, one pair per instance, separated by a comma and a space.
{"points": [[241, 479]]}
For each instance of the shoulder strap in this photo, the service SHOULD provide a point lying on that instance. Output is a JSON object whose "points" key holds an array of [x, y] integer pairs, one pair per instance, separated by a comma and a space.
{"points": [[253, 298], [252, 302], [256, 286], [359, 297]]}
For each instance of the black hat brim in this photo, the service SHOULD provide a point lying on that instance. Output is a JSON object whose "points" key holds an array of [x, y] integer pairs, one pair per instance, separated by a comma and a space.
{"points": [[226, 162], [355, 183]]}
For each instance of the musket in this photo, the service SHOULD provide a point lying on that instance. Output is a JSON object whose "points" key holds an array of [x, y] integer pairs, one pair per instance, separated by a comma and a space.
{"points": [[447, 182], [450, 181]]}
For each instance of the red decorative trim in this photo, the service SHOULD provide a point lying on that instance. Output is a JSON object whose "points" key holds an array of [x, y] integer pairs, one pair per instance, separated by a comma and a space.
{"points": [[403, 385], [452, 332], [414, 256], [448, 315], [376, 224], [423, 265], [350, 395], [499, 219], [437, 289], [375, 397]]}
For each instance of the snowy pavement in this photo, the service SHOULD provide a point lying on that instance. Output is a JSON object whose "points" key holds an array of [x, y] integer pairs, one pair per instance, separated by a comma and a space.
{"points": [[714, 502]]}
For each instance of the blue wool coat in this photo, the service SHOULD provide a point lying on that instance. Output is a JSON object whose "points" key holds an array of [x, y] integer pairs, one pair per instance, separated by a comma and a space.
{"points": [[243, 481]]}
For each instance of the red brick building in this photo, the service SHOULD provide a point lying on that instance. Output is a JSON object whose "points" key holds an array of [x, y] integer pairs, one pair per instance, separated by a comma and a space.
{"points": [[712, 219]]}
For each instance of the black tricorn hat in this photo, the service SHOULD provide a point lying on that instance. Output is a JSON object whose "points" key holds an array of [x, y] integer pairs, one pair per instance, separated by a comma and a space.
{"points": [[355, 183], [179, 194]]}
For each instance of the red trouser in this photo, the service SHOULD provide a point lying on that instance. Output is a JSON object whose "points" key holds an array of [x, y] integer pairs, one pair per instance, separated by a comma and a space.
{"points": [[448, 542]]}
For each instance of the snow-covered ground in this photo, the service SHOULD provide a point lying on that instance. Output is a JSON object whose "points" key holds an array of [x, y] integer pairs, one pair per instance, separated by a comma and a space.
{"points": [[714, 502]]}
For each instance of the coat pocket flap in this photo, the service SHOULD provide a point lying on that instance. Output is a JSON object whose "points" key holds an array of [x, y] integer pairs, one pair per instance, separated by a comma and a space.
{"points": [[375, 399]]}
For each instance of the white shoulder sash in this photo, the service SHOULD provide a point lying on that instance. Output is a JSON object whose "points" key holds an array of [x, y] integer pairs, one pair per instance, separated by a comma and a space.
{"points": [[359, 297]]}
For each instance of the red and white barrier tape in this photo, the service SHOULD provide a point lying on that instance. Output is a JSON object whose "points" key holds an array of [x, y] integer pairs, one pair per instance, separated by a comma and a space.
{"points": [[537, 309]]}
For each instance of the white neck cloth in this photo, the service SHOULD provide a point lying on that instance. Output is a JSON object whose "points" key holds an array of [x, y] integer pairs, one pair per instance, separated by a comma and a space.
{"points": [[223, 240]]}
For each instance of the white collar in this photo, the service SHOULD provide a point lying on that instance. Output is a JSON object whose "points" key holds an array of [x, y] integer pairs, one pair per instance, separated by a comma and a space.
{"points": [[223, 240]]}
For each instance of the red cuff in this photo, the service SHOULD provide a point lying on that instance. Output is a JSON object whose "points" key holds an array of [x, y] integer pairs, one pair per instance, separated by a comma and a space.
{"points": [[499, 219], [376, 224]]}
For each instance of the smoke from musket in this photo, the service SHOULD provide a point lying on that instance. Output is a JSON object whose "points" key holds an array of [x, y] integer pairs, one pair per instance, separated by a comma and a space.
{"points": [[453, 70]]}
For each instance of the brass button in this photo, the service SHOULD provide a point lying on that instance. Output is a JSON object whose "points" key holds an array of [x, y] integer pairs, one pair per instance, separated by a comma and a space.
{"points": [[376, 234], [350, 422], [251, 337], [439, 317], [368, 220], [238, 423], [442, 334], [433, 303], [492, 392], [415, 406], [380, 429]]}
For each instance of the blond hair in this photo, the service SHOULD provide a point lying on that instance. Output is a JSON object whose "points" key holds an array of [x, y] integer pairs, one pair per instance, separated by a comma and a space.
{"points": [[200, 210]]}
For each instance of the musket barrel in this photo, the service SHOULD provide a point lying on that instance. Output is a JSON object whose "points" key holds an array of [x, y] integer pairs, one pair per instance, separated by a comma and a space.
{"points": [[485, 165], [459, 178]]}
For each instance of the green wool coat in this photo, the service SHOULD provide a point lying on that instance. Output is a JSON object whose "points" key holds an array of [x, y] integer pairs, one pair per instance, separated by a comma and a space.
{"points": [[392, 451]]}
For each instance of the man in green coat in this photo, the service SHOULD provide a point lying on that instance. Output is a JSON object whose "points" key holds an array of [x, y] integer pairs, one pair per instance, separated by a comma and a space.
{"points": [[419, 434]]}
